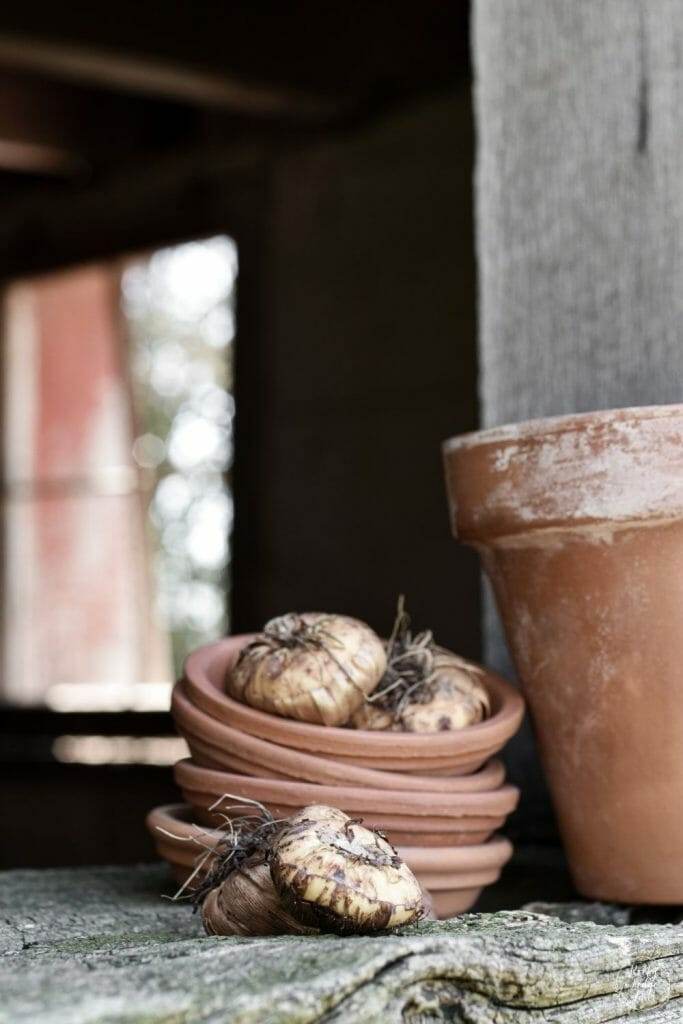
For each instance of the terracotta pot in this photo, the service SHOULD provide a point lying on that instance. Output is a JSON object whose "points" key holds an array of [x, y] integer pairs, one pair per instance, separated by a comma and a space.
{"points": [[406, 817], [454, 877], [444, 753], [579, 521], [216, 745]]}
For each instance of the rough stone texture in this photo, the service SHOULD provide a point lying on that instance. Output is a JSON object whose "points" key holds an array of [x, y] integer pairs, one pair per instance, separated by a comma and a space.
{"points": [[100, 946]]}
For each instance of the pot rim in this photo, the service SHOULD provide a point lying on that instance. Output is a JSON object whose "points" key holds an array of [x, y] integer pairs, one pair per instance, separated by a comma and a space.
{"points": [[447, 806], [587, 473], [492, 855], [450, 831], [197, 725], [486, 737], [431, 831], [564, 423], [434, 879]]}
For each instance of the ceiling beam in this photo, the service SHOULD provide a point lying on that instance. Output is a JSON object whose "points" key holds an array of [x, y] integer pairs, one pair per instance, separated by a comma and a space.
{"points": [[37, 158], [148, 76], [175, 197]]}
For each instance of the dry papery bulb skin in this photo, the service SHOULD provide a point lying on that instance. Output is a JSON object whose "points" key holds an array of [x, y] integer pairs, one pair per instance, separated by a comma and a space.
{"points": [[345, 877], [247, 903], [425, 688], [312, 667], [233, 882]]}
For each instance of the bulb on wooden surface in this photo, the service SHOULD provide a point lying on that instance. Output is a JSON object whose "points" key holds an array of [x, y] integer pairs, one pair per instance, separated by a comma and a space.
{"points": [[346, 877], [318, 870]]}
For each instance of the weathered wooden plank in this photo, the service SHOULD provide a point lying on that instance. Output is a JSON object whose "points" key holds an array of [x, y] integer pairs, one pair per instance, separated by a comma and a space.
{"points": [[100, 946], [579, 208], [149, 76]]}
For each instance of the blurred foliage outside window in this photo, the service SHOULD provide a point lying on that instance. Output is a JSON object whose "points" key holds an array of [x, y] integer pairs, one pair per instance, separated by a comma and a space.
{"points": [[178, 306]]}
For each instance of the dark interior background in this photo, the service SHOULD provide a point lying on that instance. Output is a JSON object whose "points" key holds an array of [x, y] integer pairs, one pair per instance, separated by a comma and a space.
{"points": [[335, 143]]}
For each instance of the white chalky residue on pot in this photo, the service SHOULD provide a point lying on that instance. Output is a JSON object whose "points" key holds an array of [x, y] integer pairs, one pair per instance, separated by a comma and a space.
{"points": [[502, 457], [588, 475]]}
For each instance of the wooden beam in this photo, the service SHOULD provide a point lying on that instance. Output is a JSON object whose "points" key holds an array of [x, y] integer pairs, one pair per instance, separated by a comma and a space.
{"points": [[43, 127], [62, 129], [201, 191], [149, 76], [35, 158]]}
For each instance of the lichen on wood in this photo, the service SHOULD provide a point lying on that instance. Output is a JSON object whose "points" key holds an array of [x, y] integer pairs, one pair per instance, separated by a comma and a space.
{"points": [[100, 946]]}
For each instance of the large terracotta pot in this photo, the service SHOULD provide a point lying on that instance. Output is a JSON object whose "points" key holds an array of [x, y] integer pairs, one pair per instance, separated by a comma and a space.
{"points": [[579, 521]]}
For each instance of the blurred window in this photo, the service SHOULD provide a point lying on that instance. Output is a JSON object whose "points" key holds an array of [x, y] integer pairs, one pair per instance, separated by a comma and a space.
{"points": [[117, 444]]}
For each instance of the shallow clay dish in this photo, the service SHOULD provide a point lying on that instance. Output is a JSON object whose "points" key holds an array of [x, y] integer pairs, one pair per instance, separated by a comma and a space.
{"points": [[457, 753], [407, 817], [216, 745], [454, 877]]}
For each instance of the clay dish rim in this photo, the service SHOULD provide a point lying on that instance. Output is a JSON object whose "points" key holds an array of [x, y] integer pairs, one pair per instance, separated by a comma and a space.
{"points": [[214, 739], [206, 668]]}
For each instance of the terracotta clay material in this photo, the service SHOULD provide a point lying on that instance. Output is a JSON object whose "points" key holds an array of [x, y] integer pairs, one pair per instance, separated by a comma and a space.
{"points": [[407, 817], [457, 752], [216, 745], [454, 877], [399, 830], [579, 521]]}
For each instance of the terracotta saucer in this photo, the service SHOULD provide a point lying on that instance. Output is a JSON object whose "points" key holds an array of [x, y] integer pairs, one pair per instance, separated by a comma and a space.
{"points": [[216, 745], [454, 877], [359, 799], [457, 752], [406, 817], [399, 830]]}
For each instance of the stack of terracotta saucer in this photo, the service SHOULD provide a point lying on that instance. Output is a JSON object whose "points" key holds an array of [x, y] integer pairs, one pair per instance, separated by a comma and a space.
{"points": [[439, 797]]}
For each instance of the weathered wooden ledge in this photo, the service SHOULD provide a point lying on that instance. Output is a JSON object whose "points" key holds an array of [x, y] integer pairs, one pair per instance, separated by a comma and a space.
{"points": [[99, 946]]}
